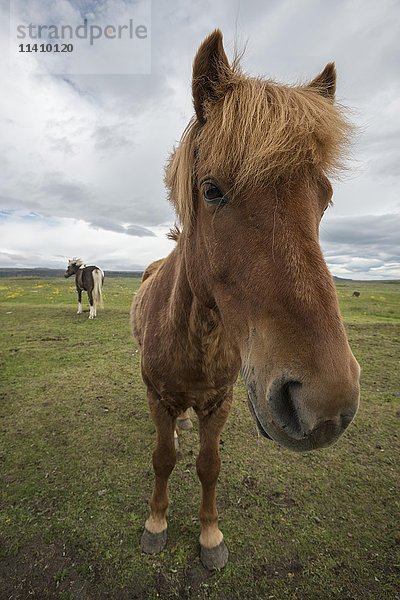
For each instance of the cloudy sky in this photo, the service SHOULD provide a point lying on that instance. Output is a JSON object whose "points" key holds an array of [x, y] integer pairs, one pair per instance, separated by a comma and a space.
{"points": [[82, 156]]}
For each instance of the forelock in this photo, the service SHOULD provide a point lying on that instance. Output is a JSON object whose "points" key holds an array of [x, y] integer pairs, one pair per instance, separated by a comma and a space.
{"points": [[260, 133]]}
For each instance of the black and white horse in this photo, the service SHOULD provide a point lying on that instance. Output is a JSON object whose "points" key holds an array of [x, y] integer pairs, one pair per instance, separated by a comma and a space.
{"points": [[89, 279]]}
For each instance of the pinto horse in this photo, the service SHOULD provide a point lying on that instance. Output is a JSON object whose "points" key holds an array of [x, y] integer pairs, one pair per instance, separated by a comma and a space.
{"points": [[89, 279], [246, 287]]}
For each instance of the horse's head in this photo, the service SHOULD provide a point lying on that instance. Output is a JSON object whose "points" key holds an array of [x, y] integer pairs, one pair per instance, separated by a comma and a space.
{"points": [[249, 182], [73, 265]]}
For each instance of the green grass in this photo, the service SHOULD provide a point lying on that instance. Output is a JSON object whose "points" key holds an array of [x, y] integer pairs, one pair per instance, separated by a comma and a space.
{"points": [[75, 456]]}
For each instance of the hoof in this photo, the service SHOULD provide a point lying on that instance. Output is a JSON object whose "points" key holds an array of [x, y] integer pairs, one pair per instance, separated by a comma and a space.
{"points": [[184, 423], [153, 543], [214, 558]]}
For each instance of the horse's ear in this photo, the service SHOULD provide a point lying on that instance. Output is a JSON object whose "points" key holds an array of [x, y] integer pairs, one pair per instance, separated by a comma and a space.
{"points": [[325, 82], [210, 69]]}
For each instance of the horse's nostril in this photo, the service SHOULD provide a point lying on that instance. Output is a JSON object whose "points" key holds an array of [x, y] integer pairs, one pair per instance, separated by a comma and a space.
{"points": [[284, 407], [346, 419]]}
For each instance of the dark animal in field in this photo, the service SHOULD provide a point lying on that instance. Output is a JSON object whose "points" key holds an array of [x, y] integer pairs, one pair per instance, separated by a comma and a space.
{"points": [[246, 287], [89, 279], [356, 294]]}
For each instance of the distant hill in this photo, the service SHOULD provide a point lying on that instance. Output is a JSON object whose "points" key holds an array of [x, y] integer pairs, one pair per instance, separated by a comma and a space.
{"points": [[12, 272]]}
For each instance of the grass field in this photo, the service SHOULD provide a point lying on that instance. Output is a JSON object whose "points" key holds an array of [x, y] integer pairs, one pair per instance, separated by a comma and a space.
{"points": [[75, 456]]}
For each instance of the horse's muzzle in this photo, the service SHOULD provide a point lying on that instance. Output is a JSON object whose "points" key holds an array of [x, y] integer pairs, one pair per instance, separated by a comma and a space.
{"points": [[285, 417]]}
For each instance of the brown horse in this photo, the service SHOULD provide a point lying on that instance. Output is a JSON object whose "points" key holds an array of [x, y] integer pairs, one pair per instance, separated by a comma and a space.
{"points": [[246, 286]]}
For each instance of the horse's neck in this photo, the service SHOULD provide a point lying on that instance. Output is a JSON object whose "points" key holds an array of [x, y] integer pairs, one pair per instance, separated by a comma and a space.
{"points": [[187, 312], [180, 298]]}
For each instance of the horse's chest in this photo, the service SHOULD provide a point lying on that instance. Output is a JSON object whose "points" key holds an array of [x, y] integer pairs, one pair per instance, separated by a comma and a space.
{"points": [[192, 367], [185, 354]]}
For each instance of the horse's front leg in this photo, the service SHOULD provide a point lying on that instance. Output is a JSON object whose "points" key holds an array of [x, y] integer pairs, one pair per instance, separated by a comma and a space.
{"points": [[79, 311], [154, 536], [213, 551]]}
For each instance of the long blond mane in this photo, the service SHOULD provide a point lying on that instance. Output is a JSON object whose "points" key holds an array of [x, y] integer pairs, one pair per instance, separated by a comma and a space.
{"points": [[260, 133], [78, 262]]}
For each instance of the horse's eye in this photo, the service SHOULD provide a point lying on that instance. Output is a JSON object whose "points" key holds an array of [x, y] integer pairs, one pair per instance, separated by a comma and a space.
{"points": [[212, 193]]}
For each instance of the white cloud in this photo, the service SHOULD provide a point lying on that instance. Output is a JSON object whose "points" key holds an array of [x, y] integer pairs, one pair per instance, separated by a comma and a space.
{"points": [[31, 241], [92, 149]]}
